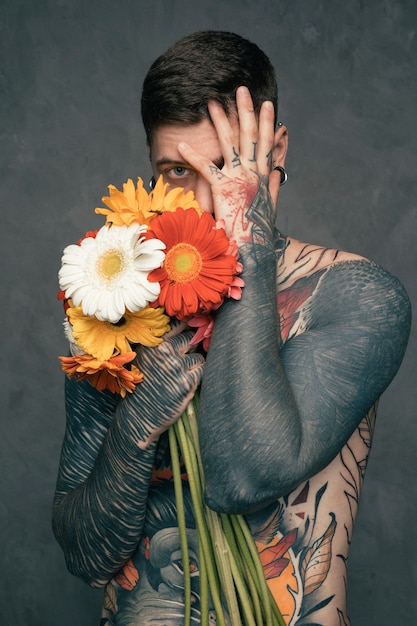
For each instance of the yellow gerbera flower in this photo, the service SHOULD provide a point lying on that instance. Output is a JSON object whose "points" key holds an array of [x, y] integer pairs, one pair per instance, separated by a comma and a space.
{"points": [[103, 339], [135, 205]]}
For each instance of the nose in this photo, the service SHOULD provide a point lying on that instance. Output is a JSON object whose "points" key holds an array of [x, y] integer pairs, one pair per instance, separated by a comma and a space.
{"points": [[203, 195]]}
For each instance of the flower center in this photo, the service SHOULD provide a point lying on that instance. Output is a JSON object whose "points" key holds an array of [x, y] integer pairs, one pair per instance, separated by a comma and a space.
{"points": [[122, 322], [110, 264], [183, 263]]}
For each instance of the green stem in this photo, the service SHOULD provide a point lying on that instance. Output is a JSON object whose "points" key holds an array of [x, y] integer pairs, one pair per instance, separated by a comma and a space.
{"points": [[227, 556], [228, 544], [191, 412], [179, 498], [224, 564], [221, 549], [245, 564], [243, 594], [204, 588], [247, 555], [253, 594], [267, 599], [200, 522]]}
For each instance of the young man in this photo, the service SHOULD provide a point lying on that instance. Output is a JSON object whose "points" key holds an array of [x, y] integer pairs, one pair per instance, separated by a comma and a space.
{"points": [[291, 380]]}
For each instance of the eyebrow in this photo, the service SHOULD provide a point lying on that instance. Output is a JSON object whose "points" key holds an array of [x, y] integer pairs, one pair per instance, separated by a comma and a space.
{"points": [[219, 163]]}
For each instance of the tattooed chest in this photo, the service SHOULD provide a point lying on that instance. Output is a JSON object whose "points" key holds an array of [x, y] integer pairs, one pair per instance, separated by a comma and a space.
{"points": [[294, 305]]}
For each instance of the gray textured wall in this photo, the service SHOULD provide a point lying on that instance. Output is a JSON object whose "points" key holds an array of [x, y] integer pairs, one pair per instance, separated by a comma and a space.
{"points": [[70, 74]]}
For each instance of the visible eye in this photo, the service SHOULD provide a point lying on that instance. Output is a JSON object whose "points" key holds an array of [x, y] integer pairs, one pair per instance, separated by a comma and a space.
{"points": [[178, 175], [179, 171]]}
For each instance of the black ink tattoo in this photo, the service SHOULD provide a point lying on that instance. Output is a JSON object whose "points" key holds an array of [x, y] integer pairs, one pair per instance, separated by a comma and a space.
{"points": [[269, 159], [236, 159], [255, 146], [261, 213], [216, 172]]}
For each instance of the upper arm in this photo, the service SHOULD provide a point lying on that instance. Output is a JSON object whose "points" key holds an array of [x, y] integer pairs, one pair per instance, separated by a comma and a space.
{"points": [[357, 326]]}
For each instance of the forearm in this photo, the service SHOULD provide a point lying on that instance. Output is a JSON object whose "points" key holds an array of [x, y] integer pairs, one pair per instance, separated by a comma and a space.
{"points": [[99, 523], [247, 405], [108, 457]]}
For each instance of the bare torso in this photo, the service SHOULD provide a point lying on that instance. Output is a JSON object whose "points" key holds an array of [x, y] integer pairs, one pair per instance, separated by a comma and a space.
{"points": [[303, 539], [315, 520]]}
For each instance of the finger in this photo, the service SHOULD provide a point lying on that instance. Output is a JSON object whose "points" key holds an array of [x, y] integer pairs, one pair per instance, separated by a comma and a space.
{"points": [[266, 138], [196, 373], [194, 362], [179, 344], [248, 127], [177, 327], [201, 164], [227, 129]]}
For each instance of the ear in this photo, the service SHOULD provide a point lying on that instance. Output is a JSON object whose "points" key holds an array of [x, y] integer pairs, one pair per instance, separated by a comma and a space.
{"points": [[279, 153]]}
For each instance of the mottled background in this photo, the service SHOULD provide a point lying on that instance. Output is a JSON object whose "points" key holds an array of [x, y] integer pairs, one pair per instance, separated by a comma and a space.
{"points": [[71, 74]]}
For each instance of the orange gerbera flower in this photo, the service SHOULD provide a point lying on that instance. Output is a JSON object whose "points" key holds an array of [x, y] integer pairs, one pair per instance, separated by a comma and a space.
{"points": [[136, 205], [110, 374], [198, 270]]}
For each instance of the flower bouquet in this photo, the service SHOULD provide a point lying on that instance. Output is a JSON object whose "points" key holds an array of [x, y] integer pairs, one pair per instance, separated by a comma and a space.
{"points": [[158, 257]]}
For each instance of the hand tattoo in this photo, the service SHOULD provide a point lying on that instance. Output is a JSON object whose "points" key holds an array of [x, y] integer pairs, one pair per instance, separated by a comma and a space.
{"points": [[255, 147], [236, 160], [216, 172]]}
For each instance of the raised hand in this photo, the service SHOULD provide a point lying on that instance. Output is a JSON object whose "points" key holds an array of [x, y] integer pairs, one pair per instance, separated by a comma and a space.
{"points": [[248, 145], [172, 373]]}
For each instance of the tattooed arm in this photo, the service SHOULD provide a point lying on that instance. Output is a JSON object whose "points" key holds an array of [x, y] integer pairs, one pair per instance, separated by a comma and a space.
{"points": [[289, 412], [271, 418], [108, 455]]}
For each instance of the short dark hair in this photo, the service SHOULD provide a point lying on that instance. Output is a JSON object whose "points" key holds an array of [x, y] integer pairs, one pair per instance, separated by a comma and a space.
{"points": [[208, 65]]}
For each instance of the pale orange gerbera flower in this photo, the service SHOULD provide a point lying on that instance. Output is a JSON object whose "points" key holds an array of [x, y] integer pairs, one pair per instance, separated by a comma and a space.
{"points": [[102, 339], [110, 374], [198, 270], [133, 204], [204, 324]]}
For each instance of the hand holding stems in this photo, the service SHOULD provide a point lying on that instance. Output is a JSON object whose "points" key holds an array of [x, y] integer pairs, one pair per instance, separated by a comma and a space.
{"points": [[248, 143], [172, 373]]}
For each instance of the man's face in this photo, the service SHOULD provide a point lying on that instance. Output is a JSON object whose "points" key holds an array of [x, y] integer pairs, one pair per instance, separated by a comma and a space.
{"points": [[166, 159]]}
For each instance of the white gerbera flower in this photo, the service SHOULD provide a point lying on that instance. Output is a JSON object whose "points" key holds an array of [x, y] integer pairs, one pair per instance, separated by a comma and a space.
{"points": [[108, 274]]}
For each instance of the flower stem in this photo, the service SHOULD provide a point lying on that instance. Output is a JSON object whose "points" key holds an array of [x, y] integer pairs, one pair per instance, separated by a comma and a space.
{"points": [[200, 522], [229, 559], [179, 498], [227, 556], [267, 599], [222, 553], [224, 564], [244, 561], [204, 586]]}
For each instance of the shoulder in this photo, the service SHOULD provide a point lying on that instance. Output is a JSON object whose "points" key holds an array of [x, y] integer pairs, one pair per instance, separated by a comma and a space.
{"points": [[331, 268], [354, 285], [297, 259], [328, 287]]}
